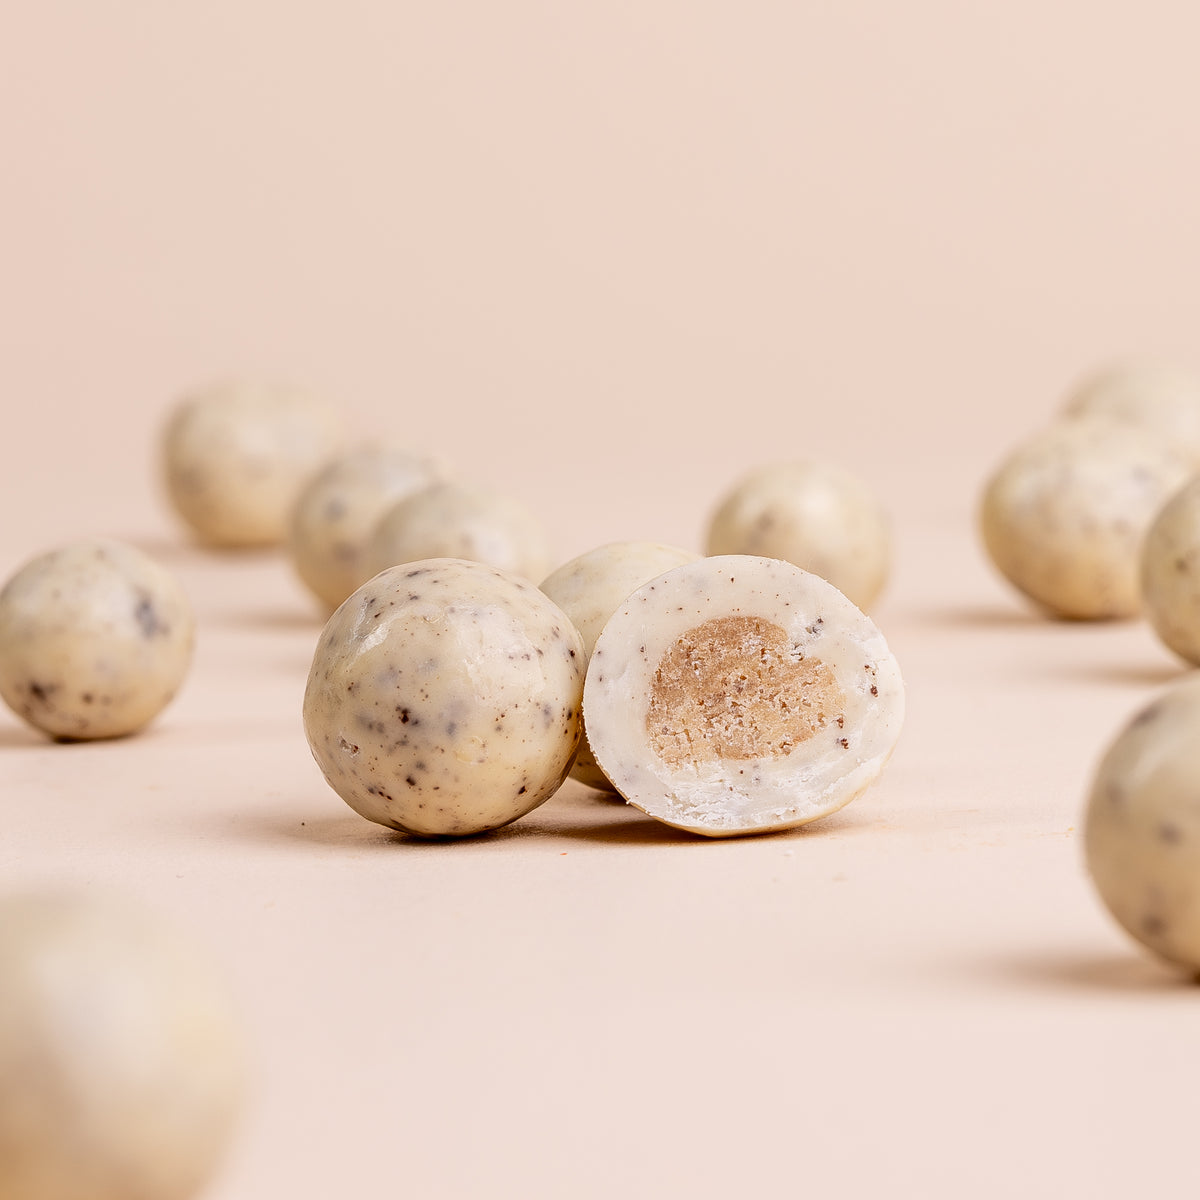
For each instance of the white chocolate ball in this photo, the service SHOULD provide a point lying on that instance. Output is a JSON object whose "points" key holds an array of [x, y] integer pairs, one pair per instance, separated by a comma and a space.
{"points": [[95, 640], [121, 1068], [814, 515], [458, 520], [739, 695], [444, 698], [1064, 516], [589, 589], [1171, 572], [236, 456], [1142, 826], [337, 511], [1160, 397]]}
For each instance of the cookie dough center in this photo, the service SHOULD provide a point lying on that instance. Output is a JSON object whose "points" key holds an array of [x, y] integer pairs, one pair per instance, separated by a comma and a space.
{"points": [[736, 688]]}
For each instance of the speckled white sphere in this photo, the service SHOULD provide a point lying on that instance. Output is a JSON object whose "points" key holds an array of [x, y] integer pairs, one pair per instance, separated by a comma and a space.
{"points": [[815, 515], [739, 695], [337, 511], [1064, 516], [1142, 826], [458, 520], [121, 1067], [589, 589], [95, 640], [236, 456], [1161, 397], [1171, 572], [444, 698]]}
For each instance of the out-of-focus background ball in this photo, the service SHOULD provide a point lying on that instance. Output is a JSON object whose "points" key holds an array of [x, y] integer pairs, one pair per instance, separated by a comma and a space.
{"points": [[121, 1064], [236, 455], [95, 639], [814, 515]]}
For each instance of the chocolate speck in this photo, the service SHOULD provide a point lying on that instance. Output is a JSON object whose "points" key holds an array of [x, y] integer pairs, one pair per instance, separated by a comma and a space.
{"points": [[146, 615], [1153, 925], [1146, 716]]}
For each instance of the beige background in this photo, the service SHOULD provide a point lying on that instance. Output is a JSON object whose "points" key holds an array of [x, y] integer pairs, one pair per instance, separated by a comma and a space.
{"points": [[606, 257]]}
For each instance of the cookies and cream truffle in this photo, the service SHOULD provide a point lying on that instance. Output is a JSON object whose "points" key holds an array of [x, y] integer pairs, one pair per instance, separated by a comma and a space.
{"points": [[1170, 570], [460, 520], [739, 694], [444, 698], [1142, 826], [331, 524], [121, 1060], [589, 589], [1064, 516], [1158, 396], [236, 455], [816, 515], [95, 639]]}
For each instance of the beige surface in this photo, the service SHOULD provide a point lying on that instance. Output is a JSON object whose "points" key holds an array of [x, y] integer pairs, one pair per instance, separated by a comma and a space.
{"points": [[609, 257]]}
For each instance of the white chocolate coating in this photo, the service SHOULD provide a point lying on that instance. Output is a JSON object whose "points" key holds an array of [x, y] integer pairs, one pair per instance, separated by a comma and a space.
{"points": [[1142, 826], [458, 520], [1160, 397], [814, 515], [95, 639], [337, 510], [1171, 572], [236, 455], [589, 589], [121, 1068], [1064, 516], [444, 698], [739, 694]]}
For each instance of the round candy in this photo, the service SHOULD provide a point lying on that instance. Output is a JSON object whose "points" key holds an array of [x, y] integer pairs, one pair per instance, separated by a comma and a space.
{"points": [[1157, 396], [741, 695], [1064, 516], [444, 698], [1142, 826], [236, 456], [338, 509], [458, 520], [817, 516], [95, 639], [1171, 572], [589, 589], [120, 1064]]}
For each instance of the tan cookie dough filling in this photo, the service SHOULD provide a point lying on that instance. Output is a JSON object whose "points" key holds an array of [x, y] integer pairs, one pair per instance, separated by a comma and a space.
{"points": [[1142, 826], [589, 589], [740, 694], [444, 698]]}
